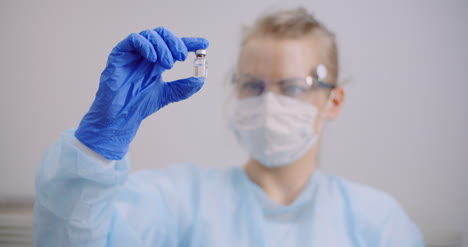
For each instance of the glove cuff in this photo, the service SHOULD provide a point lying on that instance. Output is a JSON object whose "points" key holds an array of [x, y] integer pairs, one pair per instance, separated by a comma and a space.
{"points": [[111, 144]]}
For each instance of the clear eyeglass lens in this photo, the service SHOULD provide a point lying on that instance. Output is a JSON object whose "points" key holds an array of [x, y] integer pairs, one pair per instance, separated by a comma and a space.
{"points": [[251, 88], [294, 87]]}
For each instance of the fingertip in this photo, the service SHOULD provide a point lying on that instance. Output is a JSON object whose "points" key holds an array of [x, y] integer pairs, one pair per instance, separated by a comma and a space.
{"points": [[198, 79], [153, 57], [183, 56], [161, 50], [197, 83], [194, 82], [205, 43], [175, 44], [166, 62], [143, 46], [160, 28], [195, 43]]}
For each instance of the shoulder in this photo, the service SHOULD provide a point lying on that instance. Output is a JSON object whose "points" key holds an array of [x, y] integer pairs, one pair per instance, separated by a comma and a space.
{"points": [[374, 214], [367, 204]]}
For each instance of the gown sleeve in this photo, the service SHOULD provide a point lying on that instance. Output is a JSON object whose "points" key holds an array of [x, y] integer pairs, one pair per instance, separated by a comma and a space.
{"points": [[83, 199], [376, 218], [399, 230]]}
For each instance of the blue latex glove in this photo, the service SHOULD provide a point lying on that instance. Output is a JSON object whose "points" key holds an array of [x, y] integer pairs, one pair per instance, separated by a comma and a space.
{"points": [[131, 88]]}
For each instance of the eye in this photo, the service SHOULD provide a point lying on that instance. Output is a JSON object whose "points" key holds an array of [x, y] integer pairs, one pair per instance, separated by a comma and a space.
{"points": [[294, 90], [294, 87], [252, 87]]}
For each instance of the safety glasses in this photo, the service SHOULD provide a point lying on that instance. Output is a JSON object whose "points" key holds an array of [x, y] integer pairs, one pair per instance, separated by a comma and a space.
{"points": [[297, 87]]}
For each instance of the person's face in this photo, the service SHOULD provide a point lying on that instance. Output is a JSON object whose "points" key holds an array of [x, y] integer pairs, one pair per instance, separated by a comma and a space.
{"points": [[276, 59]]}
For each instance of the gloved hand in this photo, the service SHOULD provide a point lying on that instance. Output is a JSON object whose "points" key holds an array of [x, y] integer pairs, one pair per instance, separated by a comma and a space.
{"points": [[131, 89]]}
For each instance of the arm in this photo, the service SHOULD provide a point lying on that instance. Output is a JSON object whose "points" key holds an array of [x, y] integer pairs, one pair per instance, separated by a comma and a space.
{"points": [[399, 230], [376, 218], [79, 179], [74, 195], [92, 201]]}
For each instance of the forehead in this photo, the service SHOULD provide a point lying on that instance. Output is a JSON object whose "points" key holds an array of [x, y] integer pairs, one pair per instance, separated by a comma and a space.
{"points": [[273, 58]]}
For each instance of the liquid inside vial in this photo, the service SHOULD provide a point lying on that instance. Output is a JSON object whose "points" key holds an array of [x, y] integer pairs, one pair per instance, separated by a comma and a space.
{"points": [[200, 64]]}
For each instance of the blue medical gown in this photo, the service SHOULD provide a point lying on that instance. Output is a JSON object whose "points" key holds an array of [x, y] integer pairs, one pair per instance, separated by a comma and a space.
{"points": [[83, 201]]}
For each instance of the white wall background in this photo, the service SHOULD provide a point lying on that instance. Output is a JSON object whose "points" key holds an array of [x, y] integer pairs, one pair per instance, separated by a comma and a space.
{"points": [[403, 128]]}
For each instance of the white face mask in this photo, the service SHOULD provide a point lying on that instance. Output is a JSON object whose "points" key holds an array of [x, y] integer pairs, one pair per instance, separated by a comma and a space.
{"points": [[276, 130]]}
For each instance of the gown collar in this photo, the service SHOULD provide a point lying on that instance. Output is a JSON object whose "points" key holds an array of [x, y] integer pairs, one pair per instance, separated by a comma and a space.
{"points": [[269, 207]]}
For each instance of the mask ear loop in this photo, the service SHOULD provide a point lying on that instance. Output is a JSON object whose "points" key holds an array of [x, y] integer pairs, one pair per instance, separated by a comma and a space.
{"points": [[325, 111]]}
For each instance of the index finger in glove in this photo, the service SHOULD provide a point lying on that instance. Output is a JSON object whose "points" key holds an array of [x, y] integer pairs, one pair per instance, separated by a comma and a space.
{"points": [[175, 44], [138, 43], [163, 52], [195, 43]]}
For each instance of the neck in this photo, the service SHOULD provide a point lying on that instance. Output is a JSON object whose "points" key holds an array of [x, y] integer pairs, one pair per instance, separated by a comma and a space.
{"points": [[283, 184]]}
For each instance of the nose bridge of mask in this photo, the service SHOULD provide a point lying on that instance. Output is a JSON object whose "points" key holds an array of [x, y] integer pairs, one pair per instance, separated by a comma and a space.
{"points": [[269, 102], [273, 104]]}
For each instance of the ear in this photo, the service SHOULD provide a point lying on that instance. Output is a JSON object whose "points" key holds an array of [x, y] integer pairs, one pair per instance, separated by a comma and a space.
{"points": [[336, 103]]}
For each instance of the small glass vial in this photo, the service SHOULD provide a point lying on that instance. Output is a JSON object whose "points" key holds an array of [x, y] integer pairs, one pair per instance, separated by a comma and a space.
{"points": [[200, 64]]}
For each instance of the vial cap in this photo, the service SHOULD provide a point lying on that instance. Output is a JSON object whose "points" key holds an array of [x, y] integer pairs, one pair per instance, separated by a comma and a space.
{"points": [[200, 51]]}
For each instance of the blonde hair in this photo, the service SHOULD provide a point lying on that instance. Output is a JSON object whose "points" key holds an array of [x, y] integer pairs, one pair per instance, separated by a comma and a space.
{"points": [[297, 24]]}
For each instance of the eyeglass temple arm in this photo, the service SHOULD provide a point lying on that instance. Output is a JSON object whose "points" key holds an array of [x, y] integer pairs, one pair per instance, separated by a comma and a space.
{"points": [[325, 85]]}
